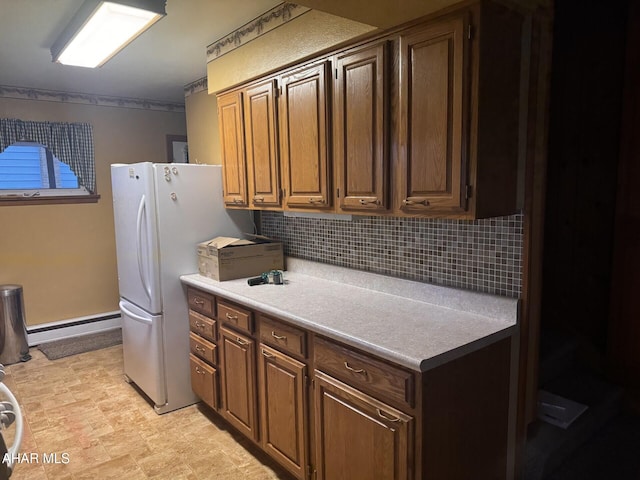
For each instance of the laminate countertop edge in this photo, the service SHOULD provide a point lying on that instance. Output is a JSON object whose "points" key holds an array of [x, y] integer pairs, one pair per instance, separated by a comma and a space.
{"points": [[406, 331]]}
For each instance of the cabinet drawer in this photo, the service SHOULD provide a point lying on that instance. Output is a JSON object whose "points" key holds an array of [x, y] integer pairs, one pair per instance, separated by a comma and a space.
{"points": [[201, 302], [202, 325], [204, 381], [287, 338], [236, 316], [202, 348], [364, 372]]}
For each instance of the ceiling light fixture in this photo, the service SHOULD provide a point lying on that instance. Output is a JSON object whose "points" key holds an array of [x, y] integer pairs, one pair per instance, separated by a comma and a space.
{"points": [[100, 29]]}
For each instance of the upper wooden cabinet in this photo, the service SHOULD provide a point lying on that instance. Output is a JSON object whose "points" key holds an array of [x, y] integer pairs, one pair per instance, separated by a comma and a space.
{"points": [[422, 120], [261, 136], [360, 124], [304, 133], [458, 108], [230, 120], [432, 167]]}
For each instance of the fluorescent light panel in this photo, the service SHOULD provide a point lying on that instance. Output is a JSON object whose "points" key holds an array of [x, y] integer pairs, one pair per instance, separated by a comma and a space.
{"points": [[108, 30]]}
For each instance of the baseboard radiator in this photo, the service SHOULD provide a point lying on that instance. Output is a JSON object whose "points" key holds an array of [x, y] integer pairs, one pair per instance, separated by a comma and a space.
{"points": [[74, 327]]}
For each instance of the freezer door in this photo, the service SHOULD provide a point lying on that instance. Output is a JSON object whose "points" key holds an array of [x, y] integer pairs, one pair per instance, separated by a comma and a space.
{"points": [[143, 353], [134, 215]]}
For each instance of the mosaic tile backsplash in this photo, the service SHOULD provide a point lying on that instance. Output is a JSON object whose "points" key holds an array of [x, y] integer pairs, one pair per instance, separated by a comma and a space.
{"points": [[481, 255]]}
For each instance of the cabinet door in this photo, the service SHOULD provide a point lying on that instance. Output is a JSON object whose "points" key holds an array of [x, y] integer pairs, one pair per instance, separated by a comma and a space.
{"points": [[204, 381], [283, 412], [304, 138], [358, 436], [237, 381], [261, 145], [360, 129], [431, 156], [232, 147]]}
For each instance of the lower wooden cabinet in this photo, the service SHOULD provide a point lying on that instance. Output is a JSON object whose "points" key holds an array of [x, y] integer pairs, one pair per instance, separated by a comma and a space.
{"points": [[238, 380], [326, 411], [358, 436], [204, 381], [283, 418]]}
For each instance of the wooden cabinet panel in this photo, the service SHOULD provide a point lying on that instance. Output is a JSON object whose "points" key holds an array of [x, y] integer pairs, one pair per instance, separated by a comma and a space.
{"points": [[238, 380], [360, 124], [283, 409], [204, 381], [201, 302], [356, 436], [261, 136], [203, 325], [365, 372], [285, 337], [235, 315], [432, 160], [304, 138], [230, 120], [202, 348]]}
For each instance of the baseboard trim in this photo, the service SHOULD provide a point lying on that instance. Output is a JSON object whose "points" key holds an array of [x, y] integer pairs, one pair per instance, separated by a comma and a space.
{"points": [[49, 332]]}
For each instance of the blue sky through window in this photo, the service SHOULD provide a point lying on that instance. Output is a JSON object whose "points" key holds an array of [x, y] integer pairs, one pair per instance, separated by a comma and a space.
{"points": [[31, 166]]}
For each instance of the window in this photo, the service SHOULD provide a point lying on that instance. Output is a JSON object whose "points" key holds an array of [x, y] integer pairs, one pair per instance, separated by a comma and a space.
{"points": [[56, 165], [30, 169]]}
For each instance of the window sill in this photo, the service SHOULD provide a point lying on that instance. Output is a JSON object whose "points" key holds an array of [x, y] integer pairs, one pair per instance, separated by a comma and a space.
{"points": [[15, 201]]}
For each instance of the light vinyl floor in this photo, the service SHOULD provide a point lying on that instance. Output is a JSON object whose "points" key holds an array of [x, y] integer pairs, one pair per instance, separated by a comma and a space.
{"points": [[81, 409]]}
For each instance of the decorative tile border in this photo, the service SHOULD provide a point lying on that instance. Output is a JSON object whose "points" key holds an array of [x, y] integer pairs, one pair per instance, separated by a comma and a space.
{"points": [[252, 30], [482, 255], [196, 87], [87, 99]]}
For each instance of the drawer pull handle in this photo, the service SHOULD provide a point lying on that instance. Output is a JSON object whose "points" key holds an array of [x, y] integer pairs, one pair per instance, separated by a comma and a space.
{"points": [[198, 301], [238, 200], [369, 202], [200, 372], [200, 325], [424, 202], [278, 337], [319, 201], [361, 371], [386, 416], [267, 354], [258, 199], [231, 317], [241, 342], [200, 349]]}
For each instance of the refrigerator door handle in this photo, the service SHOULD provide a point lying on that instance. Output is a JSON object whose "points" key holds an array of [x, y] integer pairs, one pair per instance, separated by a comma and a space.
{"points": [[135, 317], [141, 210]]}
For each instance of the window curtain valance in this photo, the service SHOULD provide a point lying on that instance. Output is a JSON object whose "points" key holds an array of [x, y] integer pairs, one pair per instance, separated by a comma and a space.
{"points": [[71, 143]]}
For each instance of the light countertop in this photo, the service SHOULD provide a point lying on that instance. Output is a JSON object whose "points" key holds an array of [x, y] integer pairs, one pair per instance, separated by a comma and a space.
{"points": [[417, 325]]}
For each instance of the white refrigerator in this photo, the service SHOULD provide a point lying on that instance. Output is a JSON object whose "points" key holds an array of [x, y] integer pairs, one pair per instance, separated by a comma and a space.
{"points": [[161, 212]]}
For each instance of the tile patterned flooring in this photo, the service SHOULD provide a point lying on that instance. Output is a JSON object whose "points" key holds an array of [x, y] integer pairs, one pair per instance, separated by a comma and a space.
{"points": [[81, 406]]}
